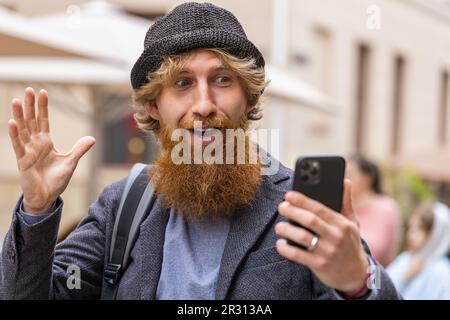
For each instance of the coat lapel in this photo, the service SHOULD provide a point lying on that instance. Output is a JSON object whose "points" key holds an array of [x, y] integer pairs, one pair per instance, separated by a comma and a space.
{"points": [[246, 227]]}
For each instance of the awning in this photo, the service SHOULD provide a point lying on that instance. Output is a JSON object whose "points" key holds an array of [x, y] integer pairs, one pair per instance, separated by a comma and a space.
{"points": [[61, 70]]}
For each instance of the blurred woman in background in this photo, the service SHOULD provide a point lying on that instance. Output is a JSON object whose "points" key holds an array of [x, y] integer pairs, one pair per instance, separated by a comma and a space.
{"points": [[423, 271], [378, 214]]}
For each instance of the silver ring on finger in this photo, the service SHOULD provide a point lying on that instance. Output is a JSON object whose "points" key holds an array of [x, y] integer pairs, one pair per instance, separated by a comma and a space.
{"points": [[313, 245]]}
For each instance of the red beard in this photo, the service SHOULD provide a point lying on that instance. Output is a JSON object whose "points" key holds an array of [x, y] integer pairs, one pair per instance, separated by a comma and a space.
{"points": [[206, 190]]}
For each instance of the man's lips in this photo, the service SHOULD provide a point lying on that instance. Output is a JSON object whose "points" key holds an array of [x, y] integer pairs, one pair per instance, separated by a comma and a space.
{"points": [[205, 135]]}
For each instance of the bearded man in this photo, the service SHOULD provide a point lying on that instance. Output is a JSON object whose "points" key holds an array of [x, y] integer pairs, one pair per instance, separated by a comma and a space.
{"points": [[217, 228]]}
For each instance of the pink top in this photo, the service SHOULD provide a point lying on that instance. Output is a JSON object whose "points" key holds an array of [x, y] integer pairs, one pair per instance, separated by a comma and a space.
{"points": [[380, 226]]}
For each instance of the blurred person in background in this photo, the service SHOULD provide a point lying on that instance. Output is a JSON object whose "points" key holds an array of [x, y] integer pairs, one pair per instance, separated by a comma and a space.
{"points": [[378, 214], [423, 271]]}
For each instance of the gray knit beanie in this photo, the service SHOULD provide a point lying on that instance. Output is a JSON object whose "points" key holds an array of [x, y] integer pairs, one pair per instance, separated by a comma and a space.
{"points": [[189, 26]]}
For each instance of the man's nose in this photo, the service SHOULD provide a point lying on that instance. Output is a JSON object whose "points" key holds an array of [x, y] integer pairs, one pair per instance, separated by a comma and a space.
{"points": [[204, 105]]}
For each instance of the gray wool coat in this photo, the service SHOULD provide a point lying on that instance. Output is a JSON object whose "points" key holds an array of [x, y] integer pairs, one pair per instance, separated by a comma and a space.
{"points": [[33, 268]]}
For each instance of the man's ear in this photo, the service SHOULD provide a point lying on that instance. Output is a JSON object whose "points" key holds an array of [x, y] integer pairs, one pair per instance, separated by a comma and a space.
{"points": [[154, 112]]}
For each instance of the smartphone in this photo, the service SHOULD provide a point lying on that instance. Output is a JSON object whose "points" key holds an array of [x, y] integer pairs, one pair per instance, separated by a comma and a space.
{"points": [[322, 179]]}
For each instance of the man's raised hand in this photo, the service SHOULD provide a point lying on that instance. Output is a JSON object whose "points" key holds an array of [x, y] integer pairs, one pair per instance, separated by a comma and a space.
{"points": [[44, 172]]}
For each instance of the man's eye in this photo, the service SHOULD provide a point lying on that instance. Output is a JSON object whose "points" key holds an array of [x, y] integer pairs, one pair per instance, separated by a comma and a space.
{"points": [[223, 80], [183, 83]]}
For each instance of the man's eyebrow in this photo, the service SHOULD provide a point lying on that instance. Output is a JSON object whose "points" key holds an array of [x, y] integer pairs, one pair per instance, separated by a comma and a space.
{"points": [[221, 67]]}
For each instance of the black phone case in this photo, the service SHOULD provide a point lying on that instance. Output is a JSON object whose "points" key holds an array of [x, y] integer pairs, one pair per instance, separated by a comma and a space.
{"points": [[330, 187]]}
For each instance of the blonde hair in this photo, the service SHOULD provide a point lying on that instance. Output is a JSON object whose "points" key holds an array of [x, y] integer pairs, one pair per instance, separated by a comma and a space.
{"points": [[252, 79]]}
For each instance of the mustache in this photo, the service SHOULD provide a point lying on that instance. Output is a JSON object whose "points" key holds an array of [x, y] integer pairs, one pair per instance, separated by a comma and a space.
{"points": [[210, 122]]}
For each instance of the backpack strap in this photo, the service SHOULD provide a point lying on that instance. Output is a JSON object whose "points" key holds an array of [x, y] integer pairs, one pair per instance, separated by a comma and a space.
{"points": [[137, 198]]}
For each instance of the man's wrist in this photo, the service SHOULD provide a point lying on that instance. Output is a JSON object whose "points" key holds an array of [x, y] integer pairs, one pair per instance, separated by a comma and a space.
{"points": [[362, 289], [36, 212], [357, 294]]}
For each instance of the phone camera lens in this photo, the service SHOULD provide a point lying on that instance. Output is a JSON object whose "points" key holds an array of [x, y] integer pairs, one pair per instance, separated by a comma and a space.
{"points": [[306, 166], [304, 177]]}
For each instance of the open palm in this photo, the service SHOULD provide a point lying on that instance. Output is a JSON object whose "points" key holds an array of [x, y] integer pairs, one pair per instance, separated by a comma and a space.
{"points": [[44, 172]]}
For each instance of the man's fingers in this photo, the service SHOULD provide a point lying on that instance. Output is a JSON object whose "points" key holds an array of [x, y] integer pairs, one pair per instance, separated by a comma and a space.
{"points": [[295, 254], [300, 200], [347, 209], [81, 147], [17, 144], [17, 112], [305, 218], [42, 117], [29, 111], [294, 233]]}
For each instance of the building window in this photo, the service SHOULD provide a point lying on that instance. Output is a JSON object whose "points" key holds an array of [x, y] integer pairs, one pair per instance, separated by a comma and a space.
{"points": [[124, 143], [443, 110], [397, 103], [362, 87]]}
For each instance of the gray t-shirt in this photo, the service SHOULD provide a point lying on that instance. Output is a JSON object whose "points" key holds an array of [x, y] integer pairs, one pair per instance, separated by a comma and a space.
{"points": [[192, 255]]}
